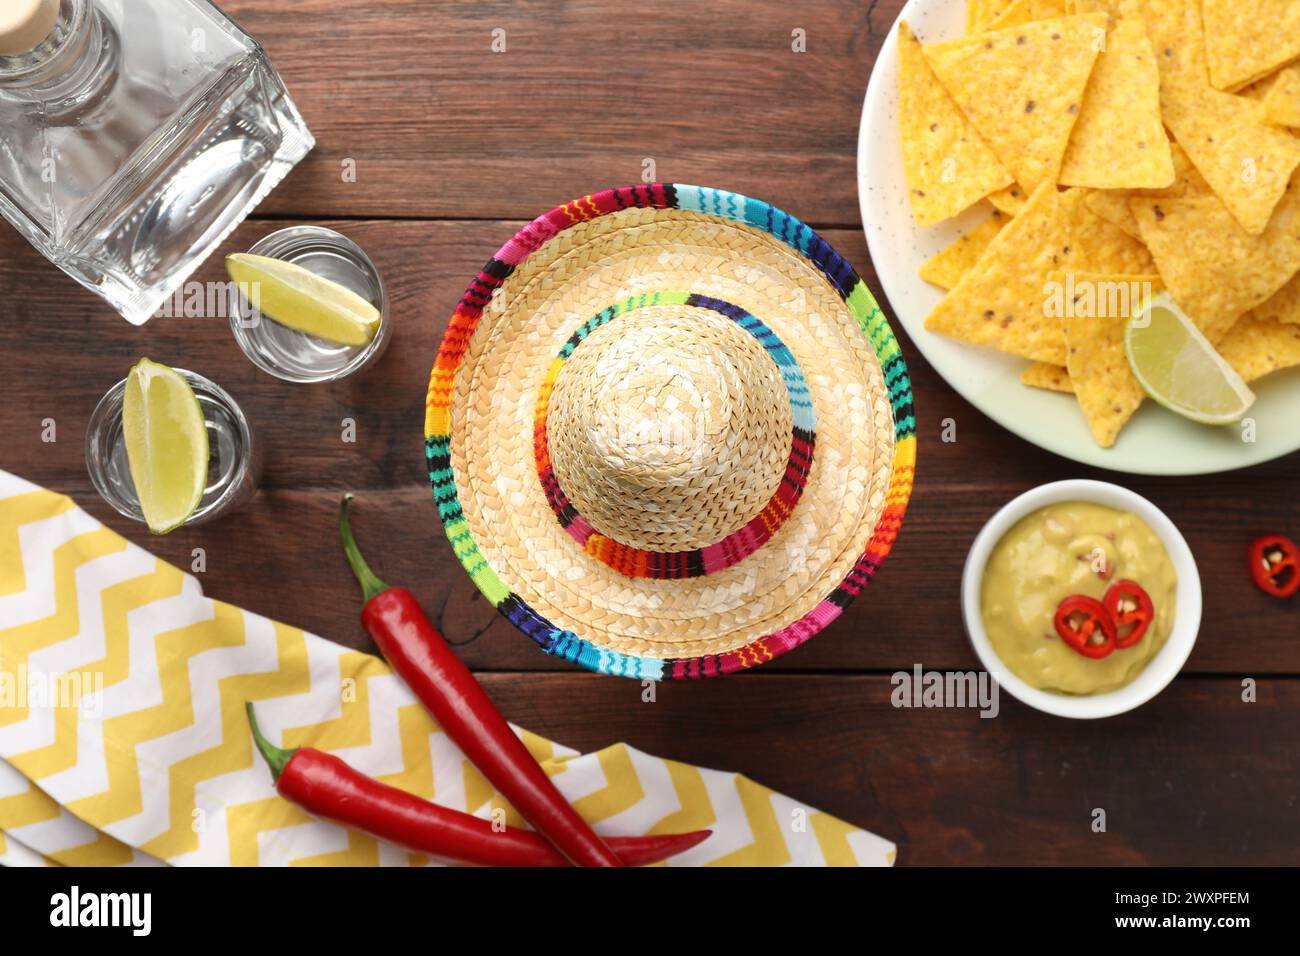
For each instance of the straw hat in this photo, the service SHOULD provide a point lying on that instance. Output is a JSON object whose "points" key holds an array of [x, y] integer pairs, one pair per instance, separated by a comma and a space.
{"points": [[669, 432]]}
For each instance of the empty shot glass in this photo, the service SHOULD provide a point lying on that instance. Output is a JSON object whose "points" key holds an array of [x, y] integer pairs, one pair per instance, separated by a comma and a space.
{"points": [[234, 457], [296, 356]]}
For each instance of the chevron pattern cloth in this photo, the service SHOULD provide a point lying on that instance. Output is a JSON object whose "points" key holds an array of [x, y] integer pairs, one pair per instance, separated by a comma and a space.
{"points": [[123, 739]]}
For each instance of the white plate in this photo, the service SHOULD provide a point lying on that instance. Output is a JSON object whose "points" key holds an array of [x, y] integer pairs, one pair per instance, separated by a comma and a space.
{"points": [[1156, 442]]}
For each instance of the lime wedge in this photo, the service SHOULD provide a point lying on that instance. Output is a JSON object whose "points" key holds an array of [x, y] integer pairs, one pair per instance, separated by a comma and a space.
{"points": [[1179, 368], [302, 300], [166, 444]]}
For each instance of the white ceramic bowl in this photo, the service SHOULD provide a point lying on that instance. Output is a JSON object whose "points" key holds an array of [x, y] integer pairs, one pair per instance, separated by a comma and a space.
{"points": [[1160, 670]]}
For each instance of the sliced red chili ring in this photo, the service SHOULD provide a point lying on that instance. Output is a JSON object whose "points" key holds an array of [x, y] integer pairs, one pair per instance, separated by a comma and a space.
{"points": [[1275, 565], [1080, 620], [1129, 606]]}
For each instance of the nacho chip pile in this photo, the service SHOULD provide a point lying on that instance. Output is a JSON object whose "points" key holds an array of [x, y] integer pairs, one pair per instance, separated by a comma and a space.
{"points": [[1124, 146]]}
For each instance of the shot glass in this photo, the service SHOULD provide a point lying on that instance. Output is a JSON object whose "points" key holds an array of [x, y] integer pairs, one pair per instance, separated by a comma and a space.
{"points": [[295, 356], [234, 458]]}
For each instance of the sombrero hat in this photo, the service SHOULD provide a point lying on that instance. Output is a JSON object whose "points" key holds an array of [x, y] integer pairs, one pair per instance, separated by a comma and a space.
{"points": [[669, 432]]}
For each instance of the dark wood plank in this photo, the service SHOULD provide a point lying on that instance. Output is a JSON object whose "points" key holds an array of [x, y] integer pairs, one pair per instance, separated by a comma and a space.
{"points": [[1195, 777], [438, 125], [72, 349]]}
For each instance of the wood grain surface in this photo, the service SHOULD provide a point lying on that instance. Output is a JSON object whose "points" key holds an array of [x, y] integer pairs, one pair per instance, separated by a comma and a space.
{"points": [[454, 146]]}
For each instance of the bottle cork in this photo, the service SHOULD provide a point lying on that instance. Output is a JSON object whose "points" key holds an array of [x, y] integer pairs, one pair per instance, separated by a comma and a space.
{"points": [[25, 23]]}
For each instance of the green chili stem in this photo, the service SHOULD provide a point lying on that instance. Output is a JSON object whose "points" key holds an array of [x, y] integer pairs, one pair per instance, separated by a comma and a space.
{"points": [[277, 758], [369, 581]]}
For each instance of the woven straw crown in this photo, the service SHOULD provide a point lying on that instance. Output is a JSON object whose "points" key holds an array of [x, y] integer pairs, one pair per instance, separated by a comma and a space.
{"points": [[669, 432]]}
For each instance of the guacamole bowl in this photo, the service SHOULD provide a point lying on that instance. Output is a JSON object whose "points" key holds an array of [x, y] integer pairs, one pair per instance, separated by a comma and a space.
{"points": [[1167, 652]]}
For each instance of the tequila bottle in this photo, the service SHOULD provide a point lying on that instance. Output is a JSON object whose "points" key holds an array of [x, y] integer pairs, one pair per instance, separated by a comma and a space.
{"points": [[134, 136]]}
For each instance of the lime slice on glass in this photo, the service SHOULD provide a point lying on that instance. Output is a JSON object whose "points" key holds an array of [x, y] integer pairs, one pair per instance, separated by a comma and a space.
{"points": [[166, 444], [300, 299], [1179, 368]]}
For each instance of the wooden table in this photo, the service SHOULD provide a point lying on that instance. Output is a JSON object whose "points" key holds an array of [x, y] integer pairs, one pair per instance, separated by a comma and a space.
{"points": [[454, 145]]}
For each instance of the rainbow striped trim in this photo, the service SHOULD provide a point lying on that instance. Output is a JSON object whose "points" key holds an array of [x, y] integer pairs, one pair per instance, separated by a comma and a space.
{"points": [[640, 563], [725, 205]]}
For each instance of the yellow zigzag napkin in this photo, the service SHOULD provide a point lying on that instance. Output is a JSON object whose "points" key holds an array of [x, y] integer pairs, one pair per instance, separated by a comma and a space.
{"points": [[123, 738], [13, 853]]}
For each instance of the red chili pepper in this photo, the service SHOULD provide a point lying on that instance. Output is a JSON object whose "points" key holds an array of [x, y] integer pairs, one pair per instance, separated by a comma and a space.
{"points": [[1275, 565], [1092, 620], [326, 786], [423, 659], [1139, 617]]}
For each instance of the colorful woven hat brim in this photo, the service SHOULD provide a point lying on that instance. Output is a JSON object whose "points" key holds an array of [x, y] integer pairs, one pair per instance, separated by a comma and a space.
{"points": [[447, 387]]}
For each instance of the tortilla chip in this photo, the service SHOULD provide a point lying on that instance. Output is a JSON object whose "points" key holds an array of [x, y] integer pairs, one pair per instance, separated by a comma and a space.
{"points": [[1257, 90], [1105, 386], [1022, 88], [1112, 204], [1174, 29], [1111, 7], [1214, 269], [1010, 200], [1187, 178], [1257, 346], [1245, 41], [1102, 247], [946, 267], [1281, 104], [980, 13], [1026, 11], [1108, 312], [1107, 295], [1000, 301], [1247, 162], [1284, 305], [1053, 378], [948, 166], [1119, 141]]}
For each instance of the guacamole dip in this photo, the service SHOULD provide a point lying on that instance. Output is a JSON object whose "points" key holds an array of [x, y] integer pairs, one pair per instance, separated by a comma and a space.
{"points": [[1075, 547]]}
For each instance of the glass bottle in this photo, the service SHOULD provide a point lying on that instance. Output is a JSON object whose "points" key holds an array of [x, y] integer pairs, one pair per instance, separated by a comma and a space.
{"points": [[134, 136]]}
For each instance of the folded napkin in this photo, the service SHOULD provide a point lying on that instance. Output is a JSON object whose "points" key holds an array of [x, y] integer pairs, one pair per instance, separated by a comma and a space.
{"points": [[123, 737], [13, 853]]}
